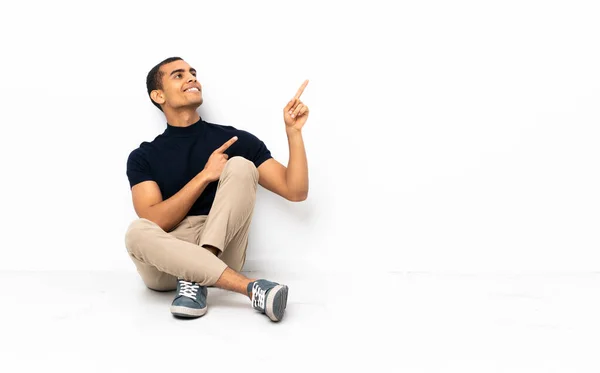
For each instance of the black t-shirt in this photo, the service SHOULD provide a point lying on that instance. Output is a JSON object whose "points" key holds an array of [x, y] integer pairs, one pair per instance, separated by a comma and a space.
{"points": [[174, 157]]}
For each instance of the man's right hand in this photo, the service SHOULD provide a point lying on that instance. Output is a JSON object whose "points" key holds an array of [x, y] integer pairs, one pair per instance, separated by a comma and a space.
{"points": [[216, 162]]}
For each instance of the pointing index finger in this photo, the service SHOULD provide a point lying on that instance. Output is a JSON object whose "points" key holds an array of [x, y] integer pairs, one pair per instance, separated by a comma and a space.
{"points": [[226, 145], [301, 89]]}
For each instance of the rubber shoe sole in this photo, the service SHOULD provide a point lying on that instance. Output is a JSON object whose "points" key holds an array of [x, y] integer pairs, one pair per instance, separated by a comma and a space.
{"points": [[188, 312], [276, 302]]}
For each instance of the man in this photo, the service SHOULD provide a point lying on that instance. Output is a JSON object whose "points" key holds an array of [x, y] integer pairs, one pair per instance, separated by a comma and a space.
{"points": [[194, 187]]}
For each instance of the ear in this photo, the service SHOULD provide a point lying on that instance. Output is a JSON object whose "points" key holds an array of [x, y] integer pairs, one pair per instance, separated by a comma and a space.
{"points": [[158, 96]]}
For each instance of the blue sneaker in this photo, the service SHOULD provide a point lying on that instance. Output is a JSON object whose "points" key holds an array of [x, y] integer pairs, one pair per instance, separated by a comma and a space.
{"points": [[269, 298], [190, 300]]}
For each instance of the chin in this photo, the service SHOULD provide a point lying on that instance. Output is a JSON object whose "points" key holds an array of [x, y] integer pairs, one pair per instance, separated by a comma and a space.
{"points": [[197, 101], [193, 103]]}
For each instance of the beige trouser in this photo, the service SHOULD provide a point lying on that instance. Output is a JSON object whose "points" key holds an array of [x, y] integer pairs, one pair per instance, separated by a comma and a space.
{"points": [[161, 258]]}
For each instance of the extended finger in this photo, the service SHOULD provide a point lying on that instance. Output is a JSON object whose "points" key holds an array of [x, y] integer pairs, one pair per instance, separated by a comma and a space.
{"points": [[226, 145], [301, 89], [297, 110]]}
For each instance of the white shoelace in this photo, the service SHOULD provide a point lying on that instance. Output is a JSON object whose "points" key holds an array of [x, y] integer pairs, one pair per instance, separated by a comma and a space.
{"points": [[258, 296], [188, 289]]}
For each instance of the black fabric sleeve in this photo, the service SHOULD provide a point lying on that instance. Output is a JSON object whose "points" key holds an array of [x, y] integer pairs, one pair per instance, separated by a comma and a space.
{"points": [[138, 168], [257, 151]]}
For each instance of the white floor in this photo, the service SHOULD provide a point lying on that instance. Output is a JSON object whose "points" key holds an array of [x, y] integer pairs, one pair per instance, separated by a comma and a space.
{"points": [[409, 322]]}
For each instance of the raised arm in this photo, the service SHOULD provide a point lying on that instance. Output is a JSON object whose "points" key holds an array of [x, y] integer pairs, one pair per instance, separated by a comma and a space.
{"points": [[290, 182]]}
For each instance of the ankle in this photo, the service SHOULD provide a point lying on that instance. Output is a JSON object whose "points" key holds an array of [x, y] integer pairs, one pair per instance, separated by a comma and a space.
{"points": [[249, 288]]}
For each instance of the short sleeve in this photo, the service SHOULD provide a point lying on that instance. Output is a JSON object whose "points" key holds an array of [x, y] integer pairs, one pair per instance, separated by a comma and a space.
{"points": [[257, 150], [138, 168]]}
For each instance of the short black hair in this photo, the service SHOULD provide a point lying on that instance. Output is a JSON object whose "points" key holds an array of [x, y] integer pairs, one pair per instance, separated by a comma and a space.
{"points": [[154, 78]]}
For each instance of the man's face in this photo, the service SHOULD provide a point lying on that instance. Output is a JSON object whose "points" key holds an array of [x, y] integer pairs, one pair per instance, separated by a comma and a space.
{"points": [[179, 86]]}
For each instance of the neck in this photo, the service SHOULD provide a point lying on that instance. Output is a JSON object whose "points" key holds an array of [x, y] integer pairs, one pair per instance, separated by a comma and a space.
{"points": [[182, 117]]}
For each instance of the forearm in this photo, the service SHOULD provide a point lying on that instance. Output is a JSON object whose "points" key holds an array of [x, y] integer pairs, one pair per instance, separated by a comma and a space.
{"points": [[168, 213], [297, 169]]}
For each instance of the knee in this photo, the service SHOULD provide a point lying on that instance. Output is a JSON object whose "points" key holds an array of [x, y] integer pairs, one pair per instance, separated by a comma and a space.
{"points": [[240, 166], [136, 232]]}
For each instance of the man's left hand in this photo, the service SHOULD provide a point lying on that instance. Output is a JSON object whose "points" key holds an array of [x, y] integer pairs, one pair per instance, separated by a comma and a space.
{"points": [[295, 112]]}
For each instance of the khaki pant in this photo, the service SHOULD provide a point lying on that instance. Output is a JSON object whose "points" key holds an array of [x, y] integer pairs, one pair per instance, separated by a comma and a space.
{"points": [[161, 258]]}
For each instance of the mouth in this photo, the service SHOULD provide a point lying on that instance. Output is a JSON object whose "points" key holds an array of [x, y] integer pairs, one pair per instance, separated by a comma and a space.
{"points": [[192, 89]]}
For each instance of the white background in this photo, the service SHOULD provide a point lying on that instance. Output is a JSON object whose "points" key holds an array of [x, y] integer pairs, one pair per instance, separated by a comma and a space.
{"points": [[443, 136]]}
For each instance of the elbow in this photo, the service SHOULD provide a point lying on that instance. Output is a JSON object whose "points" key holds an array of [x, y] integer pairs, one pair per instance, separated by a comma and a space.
{"points": [[298, 197]]}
